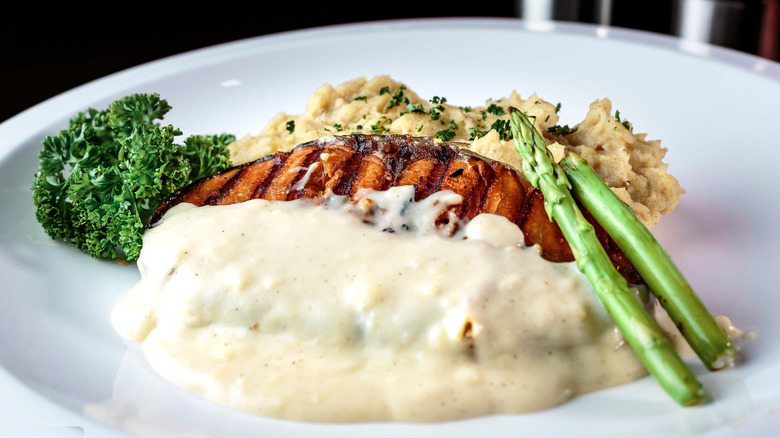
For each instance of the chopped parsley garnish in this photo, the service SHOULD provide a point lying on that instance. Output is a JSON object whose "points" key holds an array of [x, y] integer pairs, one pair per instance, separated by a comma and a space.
{"points": [[378, 127], [337, 127], [435, 112], [384, 90], [561, 130], [484, 115], [475, 133], [449, 133], [290, 126], [412, 108], [465, 109], [557, 107], [363, 98], [398, 97], [495, 109], [421, 127], [624, 122], [502, 128]]}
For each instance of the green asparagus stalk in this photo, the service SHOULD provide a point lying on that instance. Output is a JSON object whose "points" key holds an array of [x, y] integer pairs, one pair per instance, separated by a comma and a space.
{"points": [[696, 324], [638, 328]]}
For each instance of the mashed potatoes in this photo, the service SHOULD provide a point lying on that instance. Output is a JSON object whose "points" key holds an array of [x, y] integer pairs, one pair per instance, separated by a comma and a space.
{"points": [[631, 165]]}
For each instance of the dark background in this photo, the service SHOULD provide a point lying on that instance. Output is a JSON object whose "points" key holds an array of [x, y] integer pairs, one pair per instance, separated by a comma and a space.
{"points": [[49, 50]]}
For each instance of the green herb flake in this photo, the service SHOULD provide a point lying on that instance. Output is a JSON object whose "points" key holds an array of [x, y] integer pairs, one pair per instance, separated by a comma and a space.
{"points": [[495, 109], [412, 108], [435, 112], [363, 98], [624, 122], [502, 127], [561, 130], [398, 98], [290, 126], [378, 127], [475, 134], [449, 133]]}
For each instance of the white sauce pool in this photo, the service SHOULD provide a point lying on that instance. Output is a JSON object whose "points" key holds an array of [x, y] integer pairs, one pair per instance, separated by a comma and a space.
{"points": [[306, 312]]}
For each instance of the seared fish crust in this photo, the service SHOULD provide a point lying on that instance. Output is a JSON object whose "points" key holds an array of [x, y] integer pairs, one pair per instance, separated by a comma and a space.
{"points": [[343, 165]]}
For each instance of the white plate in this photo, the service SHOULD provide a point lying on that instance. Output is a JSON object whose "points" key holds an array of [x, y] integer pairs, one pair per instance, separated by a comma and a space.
{"points": [[66, 373]]}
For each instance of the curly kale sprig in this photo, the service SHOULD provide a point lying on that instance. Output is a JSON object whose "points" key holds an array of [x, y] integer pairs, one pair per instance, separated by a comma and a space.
{"points": [[100, 179]]}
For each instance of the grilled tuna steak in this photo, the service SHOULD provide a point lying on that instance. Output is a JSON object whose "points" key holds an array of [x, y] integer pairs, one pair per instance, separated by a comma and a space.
{"points": [[343, 165]]}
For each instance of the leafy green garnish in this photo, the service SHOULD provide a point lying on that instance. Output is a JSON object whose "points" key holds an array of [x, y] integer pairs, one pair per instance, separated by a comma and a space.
{"points": [[397, 98], [624, 122], [412, 108], [476, 133], [561, 130], [503, 128], [449, 133], [495, 109], [378, 127], [101, 179]]}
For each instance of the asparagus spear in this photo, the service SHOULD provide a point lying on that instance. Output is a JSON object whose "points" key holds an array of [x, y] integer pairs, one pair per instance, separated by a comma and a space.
{"points": [[698, 327], [637, 327]]}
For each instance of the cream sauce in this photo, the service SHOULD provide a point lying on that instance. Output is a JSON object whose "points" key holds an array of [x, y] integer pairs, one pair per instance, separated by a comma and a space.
{"points": [[300, 311]]}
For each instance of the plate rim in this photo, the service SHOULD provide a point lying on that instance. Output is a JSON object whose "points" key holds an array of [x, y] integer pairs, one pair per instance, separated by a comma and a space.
{"points": [[59, 104]]}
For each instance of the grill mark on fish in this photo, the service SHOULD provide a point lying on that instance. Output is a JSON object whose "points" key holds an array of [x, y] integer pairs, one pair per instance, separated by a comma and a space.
{"points": [[296, 191], [226, 189], [345, 164], [276, 163], [433, 182], [344, 186]]}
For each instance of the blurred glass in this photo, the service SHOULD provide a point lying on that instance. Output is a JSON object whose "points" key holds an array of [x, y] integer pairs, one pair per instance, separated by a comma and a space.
{"points": [[746, 25]]}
